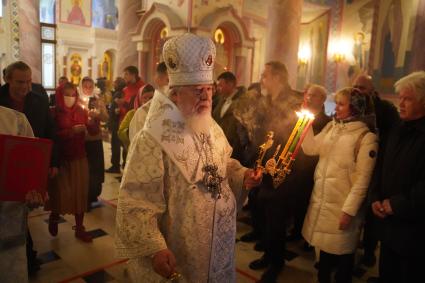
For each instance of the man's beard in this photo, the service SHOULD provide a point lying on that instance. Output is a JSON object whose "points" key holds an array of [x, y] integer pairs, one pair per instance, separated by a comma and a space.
{"points": [[200, 123]]}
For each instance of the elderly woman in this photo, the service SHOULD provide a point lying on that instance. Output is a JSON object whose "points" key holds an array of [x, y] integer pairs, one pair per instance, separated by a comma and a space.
{"points": [[346, 150]]}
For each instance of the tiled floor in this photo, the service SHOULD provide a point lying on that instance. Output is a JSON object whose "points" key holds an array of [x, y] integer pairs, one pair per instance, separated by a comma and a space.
{"points": [[66, 259]]}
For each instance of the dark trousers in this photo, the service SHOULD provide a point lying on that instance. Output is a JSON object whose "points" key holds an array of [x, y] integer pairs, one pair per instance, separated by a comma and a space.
{"points": [[274, 208], [115, 149], [395, 268], [370, 240], [94, 151], [342, 263]]}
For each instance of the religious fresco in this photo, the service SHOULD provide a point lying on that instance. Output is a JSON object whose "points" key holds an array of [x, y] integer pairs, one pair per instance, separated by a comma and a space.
{"points": [[350, 42], [357, 30], [105, 68], [392, 42], [104, 14], [76, 12], [314, 38]]}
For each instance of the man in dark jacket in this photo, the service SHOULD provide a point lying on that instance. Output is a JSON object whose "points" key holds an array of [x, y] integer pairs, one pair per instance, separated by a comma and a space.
{"points": [[271, 208], [385, 116], [17, 94], [223, 113], [398, 188]]}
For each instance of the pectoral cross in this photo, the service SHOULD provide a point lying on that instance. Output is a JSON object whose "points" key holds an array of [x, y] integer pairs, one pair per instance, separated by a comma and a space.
{"points": [[212, 180]]}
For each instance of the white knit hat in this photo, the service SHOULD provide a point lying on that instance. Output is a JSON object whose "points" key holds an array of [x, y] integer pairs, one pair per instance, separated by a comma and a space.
{"points": [[189, 59]]}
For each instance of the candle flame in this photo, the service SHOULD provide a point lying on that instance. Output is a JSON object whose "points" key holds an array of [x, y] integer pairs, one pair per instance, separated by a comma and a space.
{"points": [[305, 113]]}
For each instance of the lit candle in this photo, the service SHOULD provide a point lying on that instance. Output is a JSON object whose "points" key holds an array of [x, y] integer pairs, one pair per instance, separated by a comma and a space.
{"points": [[304, 134], [300, 130], [292, 136]]}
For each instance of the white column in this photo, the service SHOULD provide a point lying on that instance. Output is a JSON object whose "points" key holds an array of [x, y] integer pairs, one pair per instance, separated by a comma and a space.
{"points": [[283, 32], [127, 53]]}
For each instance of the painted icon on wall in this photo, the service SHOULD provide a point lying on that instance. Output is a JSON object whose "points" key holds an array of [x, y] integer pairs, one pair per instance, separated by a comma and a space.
{"points": [[77, 12], [106, 66], [104, 14], [76, 68]]}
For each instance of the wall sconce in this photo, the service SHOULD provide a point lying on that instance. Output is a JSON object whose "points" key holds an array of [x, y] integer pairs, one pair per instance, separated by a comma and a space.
{"points": [[304, 54], [340, 50], [219, 36], [338, 57]]}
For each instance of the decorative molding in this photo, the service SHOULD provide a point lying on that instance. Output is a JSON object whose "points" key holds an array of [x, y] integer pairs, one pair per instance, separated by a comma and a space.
{"points": [[162, 12], [106, 34], [14, 21], [227, 16]]}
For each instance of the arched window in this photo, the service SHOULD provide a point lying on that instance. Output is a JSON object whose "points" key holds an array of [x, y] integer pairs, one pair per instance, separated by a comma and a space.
{"points": [[223, 43], [48, 43]]}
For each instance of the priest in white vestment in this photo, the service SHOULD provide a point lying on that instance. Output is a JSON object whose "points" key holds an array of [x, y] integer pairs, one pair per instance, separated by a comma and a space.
{"points": [[180, 190]]}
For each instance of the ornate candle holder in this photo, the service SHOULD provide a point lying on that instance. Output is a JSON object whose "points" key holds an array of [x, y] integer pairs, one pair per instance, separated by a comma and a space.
{"points": [[281, 167]]}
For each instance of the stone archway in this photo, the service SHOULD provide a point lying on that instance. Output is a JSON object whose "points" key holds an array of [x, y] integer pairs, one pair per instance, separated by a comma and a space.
{"points": [[237, 49], [152, 30]]}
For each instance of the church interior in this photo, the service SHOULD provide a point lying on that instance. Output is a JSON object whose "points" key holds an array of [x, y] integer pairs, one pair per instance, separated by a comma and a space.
{"points": [[324, 42]]}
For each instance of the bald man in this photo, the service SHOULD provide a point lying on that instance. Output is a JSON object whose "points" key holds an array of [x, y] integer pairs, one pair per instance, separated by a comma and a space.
{"points": [[386, 117], [386, 113]]}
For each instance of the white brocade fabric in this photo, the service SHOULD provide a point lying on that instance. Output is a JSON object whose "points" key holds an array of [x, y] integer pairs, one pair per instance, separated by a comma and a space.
{"points": [[163, 203]]}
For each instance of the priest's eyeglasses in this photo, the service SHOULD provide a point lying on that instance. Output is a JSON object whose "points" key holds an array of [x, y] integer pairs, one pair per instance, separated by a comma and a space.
{"points": [[199, 90]]}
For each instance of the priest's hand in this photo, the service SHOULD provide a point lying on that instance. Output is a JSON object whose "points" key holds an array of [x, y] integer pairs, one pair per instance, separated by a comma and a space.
{"points": [[252, 178], [164, 263]]}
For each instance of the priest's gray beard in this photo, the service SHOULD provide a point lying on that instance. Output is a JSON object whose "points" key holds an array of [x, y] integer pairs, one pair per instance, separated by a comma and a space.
{"points": [[200, 123]]}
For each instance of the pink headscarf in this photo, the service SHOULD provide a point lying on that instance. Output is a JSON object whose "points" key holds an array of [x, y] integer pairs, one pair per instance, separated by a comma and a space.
{"points": [[138, 101]]}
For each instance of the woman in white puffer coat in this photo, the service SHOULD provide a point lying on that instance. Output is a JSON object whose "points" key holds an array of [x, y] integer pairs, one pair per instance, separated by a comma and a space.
{"points": [[347, 152]]}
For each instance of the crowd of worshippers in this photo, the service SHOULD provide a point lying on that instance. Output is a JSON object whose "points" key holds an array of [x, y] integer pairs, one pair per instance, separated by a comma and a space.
{"points": [[359, 177]]}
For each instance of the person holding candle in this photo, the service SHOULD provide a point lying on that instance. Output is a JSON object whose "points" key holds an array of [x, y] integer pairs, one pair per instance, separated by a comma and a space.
{"points": [[97, 112], [69, 190], [347, 151], [314, 99], [272, 208]]}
